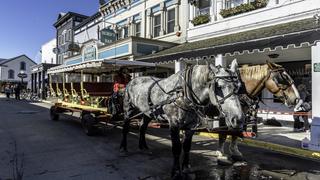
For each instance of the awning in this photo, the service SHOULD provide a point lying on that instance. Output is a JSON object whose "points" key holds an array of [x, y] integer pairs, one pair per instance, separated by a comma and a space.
{"points": [[294, 34], [102, 66]]}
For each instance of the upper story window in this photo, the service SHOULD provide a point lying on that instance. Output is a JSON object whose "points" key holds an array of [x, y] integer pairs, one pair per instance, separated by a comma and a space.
{"points": [[122, 29], [22, 66], [11, 74], [137, 25], [170, 20], [203, 7], [156, 25], [233, 3], [138, 29]]}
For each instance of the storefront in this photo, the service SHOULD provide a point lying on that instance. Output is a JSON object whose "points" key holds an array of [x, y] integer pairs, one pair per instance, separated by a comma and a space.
{"points": [[39, 79]]}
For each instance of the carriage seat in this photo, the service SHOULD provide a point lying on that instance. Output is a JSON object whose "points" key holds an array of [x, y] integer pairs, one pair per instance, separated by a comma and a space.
{"points": [[98, 89]]}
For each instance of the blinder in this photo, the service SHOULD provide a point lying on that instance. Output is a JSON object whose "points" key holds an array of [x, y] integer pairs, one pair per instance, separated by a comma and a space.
{"points": [[282, 79]]}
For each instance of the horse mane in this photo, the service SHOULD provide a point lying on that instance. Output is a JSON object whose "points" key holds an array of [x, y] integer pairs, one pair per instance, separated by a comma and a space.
{"points": [[202, 73], [254, 72]]}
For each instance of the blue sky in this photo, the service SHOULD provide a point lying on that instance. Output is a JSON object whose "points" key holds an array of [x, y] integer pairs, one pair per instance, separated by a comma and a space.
{"points": [[27, 24]]}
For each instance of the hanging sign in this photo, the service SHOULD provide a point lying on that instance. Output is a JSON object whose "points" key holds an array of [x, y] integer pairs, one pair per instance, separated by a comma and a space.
{"points": [[316, 67], [107, 36], [89, 53]]}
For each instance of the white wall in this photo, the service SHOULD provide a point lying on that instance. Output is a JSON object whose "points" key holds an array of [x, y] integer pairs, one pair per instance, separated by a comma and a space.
{"points": [[88, 32], [140, 7], [15, 65], [273, 14], [47, 55]]}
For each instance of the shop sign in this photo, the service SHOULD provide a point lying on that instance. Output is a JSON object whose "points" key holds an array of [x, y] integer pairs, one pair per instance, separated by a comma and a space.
{"points": [[89, 53], [107, 36], [316, 67]]}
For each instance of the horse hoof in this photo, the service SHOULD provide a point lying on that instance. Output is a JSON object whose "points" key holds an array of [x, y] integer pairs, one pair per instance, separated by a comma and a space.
{"points": [[177, 176], [186, 169], [146, 152], [188, 176], [224, 162], [123, 153], [237, 158]]}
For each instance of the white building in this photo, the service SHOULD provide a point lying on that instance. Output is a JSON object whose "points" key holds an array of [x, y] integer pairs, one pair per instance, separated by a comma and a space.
{"points": [[253, 31], [10, 68], [47, 54]]}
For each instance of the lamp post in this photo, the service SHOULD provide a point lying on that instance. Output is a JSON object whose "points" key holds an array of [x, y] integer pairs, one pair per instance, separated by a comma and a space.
{"points": [[22, 75]]}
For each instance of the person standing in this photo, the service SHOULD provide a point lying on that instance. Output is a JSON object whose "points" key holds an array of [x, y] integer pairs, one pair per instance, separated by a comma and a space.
{"points": [[7, 91], [17, 91], [301, 122]]}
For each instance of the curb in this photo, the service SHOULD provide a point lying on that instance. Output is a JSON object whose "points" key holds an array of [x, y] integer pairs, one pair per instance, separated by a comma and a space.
{"points": [[272, 146]]}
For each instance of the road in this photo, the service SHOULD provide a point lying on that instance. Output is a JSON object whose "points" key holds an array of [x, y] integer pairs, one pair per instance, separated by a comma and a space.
{"points": [[34, 148]]}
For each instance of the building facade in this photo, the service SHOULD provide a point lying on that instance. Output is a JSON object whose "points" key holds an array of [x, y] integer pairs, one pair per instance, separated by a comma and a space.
{"points": [[64, 37], [47, 54], [39, 77], [11, 68]]}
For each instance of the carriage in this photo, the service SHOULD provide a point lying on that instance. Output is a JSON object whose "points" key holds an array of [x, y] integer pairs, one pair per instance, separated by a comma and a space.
{"points": [[86, 89]]}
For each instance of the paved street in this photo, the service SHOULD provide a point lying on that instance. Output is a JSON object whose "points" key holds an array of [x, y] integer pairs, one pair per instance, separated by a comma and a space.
{"points": [[34, 147]]}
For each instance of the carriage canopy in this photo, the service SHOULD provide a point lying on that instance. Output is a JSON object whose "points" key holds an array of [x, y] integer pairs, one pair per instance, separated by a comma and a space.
{"points": [[102, 66]]}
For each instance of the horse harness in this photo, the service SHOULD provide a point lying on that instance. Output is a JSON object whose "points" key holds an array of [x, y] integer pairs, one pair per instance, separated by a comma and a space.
{"points": [[286, 81], [190, 98]]}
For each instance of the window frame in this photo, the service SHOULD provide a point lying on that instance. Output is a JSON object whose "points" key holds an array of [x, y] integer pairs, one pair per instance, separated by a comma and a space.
{"points": [[173, 20], [135, 28], [157, 14], [199, 11], [23, 66], [11, 72]]}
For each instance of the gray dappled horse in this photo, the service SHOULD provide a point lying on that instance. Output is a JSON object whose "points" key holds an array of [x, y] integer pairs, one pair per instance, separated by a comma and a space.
{"points": [[271, 76], [180, 98]]}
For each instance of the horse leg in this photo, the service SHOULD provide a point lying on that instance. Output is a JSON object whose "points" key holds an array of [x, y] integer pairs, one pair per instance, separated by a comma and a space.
{"points": [[143, 128], [186, 149], [220, 152], [176, 151], [125, 131], [236, 155]]}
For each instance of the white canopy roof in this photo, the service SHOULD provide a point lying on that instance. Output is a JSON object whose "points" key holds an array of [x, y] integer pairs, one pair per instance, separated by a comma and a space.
{"points": [[102, 66]]}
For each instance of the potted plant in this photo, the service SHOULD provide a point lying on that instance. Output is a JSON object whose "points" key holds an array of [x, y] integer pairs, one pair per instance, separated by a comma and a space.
{"points": [[201, 19]]}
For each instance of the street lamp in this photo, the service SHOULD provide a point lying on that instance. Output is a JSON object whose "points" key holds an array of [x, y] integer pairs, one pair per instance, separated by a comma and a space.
{"points": [[22, 75]]}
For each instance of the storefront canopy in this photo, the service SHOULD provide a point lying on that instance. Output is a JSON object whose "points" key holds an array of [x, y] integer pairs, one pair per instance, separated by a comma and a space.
{"points": [[102, 66], [294, 34]]}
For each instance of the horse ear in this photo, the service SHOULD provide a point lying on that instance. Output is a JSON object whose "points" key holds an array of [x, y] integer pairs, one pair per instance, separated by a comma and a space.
{"points": [[270, 65], [214, 69], [234, 66]]}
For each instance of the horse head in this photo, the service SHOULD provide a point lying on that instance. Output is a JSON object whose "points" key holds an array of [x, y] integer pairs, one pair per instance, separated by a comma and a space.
{"points": [[282, 85], [223, 94]]}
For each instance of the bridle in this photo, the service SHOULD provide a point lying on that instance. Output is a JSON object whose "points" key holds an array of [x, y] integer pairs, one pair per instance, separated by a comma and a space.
{"points": [[285, 82], [194, 101]]}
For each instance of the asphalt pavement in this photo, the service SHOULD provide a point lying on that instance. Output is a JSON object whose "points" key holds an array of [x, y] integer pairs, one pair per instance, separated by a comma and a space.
{"points": [[33, 147]]}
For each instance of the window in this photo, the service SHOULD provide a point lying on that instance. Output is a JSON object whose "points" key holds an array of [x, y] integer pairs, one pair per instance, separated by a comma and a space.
{"points": [[171, 20], [233, 3], [22, 66], [138, 29], [125, 31], [60, 58], [11, 74], [156, 25], [59, 40], [203, 7], [69, 35]]}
